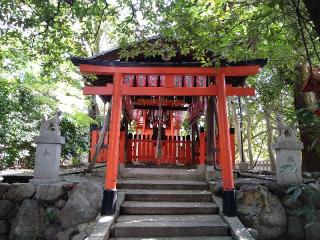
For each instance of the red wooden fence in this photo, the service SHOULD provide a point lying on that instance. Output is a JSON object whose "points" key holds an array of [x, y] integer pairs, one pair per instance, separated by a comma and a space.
{"points": [[142, 149], [175, 150]]}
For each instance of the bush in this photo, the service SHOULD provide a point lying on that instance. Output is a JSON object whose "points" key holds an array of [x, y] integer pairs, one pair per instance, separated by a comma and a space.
{"points": [[75, 129], [21, 110]]}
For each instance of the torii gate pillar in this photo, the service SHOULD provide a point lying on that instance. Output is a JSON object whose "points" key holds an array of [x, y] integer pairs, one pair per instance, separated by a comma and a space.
{"points": [[110, 191], [229, 193]]}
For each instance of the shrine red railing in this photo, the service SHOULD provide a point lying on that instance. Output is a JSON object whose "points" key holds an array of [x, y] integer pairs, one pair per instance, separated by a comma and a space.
{"points": [[174, 151]]}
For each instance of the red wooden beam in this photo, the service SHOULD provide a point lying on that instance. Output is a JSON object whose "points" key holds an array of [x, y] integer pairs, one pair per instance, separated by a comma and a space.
{"points": [[208, 71], [161, 91], [98, 90]]}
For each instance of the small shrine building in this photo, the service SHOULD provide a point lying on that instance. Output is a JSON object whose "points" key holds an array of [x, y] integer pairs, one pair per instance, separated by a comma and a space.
{"points": [[155, 95]]}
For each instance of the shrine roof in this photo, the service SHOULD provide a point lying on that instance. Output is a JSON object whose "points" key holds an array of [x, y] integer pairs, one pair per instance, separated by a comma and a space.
{"points": [[112, 58]]}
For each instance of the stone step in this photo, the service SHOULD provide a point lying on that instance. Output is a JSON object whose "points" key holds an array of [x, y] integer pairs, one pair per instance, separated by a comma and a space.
{"points": [[168, 195], [178, 238], [170, 229], [165, 208], [172, 218], [162, 184], [162, 173]]}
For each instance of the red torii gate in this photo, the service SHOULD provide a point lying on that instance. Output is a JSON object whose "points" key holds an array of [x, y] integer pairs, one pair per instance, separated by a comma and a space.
{"points": [[117, 90]]}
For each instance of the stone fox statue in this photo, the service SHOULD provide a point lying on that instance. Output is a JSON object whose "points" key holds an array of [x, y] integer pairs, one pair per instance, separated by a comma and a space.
{"points": [[285, 131], [51, 125]]}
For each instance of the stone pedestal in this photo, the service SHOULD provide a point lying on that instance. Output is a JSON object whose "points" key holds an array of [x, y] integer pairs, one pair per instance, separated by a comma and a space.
{"points": [[243, 167], [48, 156], [48, 153], [288, 160]]}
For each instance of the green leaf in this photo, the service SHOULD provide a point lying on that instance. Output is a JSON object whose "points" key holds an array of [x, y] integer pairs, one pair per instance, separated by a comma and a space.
{"points": [[291, 189], [296, 194], [302, 210]]}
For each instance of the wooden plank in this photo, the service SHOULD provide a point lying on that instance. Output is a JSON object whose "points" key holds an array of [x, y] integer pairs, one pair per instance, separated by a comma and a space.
{"points": [[103, 131]]}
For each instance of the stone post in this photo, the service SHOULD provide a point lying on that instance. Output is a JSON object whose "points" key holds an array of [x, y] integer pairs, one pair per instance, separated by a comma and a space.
{"points": [[288, 155], [48, 152]]}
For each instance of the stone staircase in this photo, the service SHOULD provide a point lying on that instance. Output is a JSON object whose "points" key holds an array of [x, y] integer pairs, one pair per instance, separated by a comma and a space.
{"points": [[166, 206]]}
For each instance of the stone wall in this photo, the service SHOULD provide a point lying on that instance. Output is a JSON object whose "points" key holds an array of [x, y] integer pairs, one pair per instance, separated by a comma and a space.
{"points": [[59, 211], [276, 215]]}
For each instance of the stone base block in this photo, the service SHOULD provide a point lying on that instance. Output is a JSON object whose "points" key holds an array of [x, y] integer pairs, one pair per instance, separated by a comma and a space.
{"points": [[109, 202], [39, 181], [229, 198]]}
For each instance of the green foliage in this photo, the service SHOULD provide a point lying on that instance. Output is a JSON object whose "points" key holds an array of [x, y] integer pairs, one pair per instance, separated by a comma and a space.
{"points": [[75, 129], [51, 214], [186, 127], [309, 196], [36, 40], [21, 108]]}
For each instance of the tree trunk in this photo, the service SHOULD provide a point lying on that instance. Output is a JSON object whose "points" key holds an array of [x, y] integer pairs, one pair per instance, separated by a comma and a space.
{"points": [[249, 123], [210, 131], [313, 7], [309, 133], [270, 141], [93, 108], [238, 132], [98, 147]]}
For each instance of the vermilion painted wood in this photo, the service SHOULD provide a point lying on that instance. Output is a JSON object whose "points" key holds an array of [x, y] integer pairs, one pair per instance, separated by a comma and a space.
{"points": [[102, 157], [179, 150], [153, 149], [169, 144], [122, 146], [104, 151], [134, 148], [188, 152], [129, 151], [224, 137], [174, 151], [163, 91], [233, 149], [113, 148], [233, 146], [202, 148], [139, 144], [94, 140], [184, 151], [208, 71], [169, 149], [98, 90], [143, 150]]}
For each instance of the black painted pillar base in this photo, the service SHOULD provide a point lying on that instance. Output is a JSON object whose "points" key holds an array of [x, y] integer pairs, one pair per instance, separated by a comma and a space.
{"points": [[109, 202], [229, 198]]}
